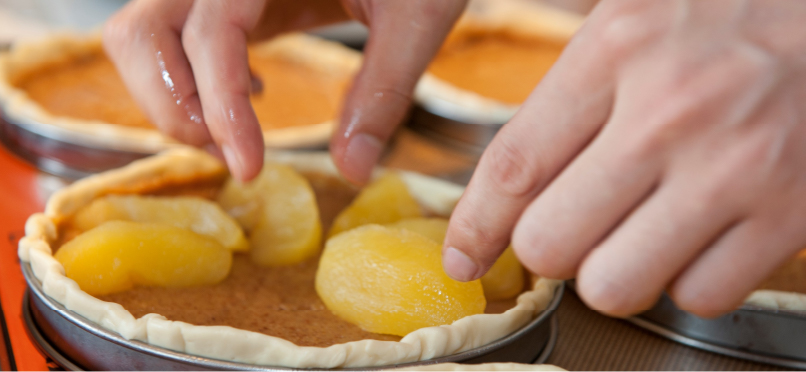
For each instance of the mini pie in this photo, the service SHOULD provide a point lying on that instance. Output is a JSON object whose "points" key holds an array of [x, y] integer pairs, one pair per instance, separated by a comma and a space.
{"points": [[494, 57], [68, 82], [257, 315]]}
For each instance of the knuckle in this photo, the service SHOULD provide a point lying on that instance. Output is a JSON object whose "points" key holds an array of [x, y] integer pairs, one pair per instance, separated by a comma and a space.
{"points": [[400, 91], [604, 295], [477, 238], [123, 28], [622, 28], [546, 260], [192, 34], [617, 36], [510, 170]]}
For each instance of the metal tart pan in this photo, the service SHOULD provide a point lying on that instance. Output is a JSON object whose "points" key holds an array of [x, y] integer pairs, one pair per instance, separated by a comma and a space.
{"points": [[469, 137], [776, 337], [77, 343], [758, 334], [65, 153]]}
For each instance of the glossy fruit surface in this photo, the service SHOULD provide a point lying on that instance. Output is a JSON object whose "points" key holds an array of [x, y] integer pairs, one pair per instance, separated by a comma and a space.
{"points": [[279, 211], [391, 281], [119, 255], [195, 214], [505, 278], [385, 200], [434, 228]]}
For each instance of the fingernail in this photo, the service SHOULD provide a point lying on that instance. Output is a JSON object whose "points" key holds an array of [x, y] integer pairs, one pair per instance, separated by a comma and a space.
{"points": [[362, 153], [458, 265], [233, 162]]}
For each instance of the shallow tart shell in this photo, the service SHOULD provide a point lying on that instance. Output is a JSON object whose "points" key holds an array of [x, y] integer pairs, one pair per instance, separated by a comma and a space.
{"points": [[25, 58], [516, 17], [196, 171]]}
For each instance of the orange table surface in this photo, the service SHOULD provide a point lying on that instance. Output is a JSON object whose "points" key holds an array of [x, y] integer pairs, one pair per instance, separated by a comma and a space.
{"points": [[18, 200]]}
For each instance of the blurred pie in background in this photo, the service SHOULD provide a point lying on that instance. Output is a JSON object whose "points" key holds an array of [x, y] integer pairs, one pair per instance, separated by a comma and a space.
{"points": [[493, 58], [68, 82]]}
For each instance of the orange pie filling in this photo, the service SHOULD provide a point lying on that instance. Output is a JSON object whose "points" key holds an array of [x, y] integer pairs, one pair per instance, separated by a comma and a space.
{"points": [[189, 264], [496, 64], [88, 87]]}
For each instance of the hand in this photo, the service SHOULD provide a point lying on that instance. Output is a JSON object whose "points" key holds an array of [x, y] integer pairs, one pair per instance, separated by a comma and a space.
{"points": [[665, 150], [185, 63]]}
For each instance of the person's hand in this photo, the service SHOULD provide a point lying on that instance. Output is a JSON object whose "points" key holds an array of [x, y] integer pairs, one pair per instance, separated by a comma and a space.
{"points": [[666, 149], [185, 63]]}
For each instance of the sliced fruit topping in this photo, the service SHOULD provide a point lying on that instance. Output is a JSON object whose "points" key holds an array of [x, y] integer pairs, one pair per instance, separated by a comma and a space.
{"points": [[118, 255], [505, 278], [195, 214], [278, 209], [391, 281], [432, 228], [385, 200]]}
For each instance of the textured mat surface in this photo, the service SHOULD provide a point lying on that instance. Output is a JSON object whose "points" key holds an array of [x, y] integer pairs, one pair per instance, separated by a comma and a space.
{"points": [[591, 341]]}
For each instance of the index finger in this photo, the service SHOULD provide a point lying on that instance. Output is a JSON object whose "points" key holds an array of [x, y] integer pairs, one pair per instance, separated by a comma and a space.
{"points": [[214, 38], [555, 123]]}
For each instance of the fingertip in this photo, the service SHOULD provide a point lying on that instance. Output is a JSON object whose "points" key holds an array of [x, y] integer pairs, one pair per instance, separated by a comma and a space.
{"points": [[244, 163], [459, 265], [358, 157]]}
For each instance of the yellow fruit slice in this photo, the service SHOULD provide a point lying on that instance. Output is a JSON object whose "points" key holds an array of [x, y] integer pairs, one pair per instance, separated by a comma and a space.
{"points": [[383, 201], [195, 214], [432, 228], [278, 208], [505, 278], [391, 281], [118, 255]]}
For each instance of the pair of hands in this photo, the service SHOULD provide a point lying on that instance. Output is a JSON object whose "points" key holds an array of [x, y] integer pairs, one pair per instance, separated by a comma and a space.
{"points": [[664, 151]]}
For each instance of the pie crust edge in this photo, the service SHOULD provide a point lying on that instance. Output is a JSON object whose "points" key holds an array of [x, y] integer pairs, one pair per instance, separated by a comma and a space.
{"points": [[445, 99], [227, 343]]}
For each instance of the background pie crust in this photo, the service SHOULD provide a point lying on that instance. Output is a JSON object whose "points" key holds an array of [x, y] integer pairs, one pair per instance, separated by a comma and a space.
{"points": [[516, 16], [28, 57], [227, 343]]}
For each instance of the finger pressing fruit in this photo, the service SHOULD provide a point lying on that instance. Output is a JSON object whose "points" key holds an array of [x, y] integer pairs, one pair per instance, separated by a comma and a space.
{"points": [[505, 278]]}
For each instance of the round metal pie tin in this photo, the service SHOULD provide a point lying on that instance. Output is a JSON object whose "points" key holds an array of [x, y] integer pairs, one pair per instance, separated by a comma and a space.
{"points": [[776, 337], [758, 334], [76, 343], [64, 153]]}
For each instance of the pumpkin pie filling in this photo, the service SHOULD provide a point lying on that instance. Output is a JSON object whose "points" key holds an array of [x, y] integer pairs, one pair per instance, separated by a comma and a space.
{"points": [[277, 301], [496, 64], [88, 87]]}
